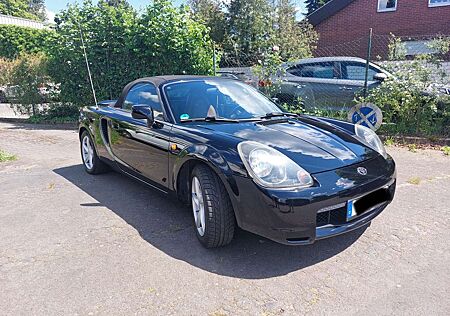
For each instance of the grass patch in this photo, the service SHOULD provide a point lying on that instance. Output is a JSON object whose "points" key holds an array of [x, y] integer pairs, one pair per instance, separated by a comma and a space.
{"points": [[412, 148], [4, 156], [446, 150], [389, 141]]}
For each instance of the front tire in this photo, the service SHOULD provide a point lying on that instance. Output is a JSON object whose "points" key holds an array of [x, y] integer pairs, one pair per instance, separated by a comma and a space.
{"points": [[213, 213], [91, 162]]}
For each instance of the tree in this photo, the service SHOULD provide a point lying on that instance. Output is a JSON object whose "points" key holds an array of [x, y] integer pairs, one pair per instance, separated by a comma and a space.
{"points": [[313, 5], [122, 46], [37, 8], [28, 9], [249, 26], [28, 74], [255, 26], [172, 42], [295, 40], [212, 14], [118, 3]]}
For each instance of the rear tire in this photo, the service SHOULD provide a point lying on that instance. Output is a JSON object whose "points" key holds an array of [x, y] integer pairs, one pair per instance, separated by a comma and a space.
{"points": [[91, 162], [216, 226]]}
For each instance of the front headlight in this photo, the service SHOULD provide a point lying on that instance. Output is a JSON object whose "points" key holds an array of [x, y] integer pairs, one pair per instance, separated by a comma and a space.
{"points": [[371, 139], [270, 168]]}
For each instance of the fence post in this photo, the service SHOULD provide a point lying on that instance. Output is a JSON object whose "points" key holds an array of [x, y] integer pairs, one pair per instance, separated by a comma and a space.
{"points": [[214, 59], [369, 54]]}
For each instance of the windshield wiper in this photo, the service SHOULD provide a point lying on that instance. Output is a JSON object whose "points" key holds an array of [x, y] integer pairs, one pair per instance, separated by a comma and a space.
{"points": [[277, 114], [210, 119]]}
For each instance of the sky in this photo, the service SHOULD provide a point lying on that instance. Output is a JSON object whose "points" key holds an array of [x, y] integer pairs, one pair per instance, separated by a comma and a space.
{"points": [[53, 6], [57, 5]]}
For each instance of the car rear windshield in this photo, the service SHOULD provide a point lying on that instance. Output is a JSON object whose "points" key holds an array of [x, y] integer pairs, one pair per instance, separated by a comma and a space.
{"points": [[225, 98]]}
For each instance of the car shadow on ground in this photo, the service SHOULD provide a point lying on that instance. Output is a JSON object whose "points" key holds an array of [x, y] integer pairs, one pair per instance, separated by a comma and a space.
{"points": [[167, 225]]}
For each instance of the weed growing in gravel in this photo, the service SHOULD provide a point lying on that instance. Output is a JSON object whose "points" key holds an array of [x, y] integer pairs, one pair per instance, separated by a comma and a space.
{"points": [[389, 141], [414, 180], [412, 148], [446, 150], [4, 156]]}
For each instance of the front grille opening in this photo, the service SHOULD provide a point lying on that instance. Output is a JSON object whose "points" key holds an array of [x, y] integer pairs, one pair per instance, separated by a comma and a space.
{"points": [[372, 199], [298, 240], [322, 218], [337, 216]]}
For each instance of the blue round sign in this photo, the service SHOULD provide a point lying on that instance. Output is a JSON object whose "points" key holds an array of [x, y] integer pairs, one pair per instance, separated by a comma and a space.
{"points": [[366, 114]]}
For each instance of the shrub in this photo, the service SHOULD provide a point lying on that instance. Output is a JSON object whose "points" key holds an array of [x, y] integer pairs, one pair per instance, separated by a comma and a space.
{"points": [[122, 46], [16, 40], [28, 75], [57, 113], [6, 68], [411, 98]]}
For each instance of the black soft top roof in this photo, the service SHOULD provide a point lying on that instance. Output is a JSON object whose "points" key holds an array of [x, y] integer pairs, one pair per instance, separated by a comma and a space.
{"points": [[159, 80]]}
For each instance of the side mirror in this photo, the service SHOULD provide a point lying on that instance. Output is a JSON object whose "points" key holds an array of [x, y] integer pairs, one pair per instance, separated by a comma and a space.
{"points": [[380, 76], [141, 112]]}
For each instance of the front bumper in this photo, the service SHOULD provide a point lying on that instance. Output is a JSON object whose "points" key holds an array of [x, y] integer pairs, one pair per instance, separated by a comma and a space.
{"points": [[302, 216]]}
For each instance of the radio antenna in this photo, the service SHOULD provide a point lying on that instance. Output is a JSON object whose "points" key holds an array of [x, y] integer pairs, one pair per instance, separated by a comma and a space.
{"points": [[87, 65]]}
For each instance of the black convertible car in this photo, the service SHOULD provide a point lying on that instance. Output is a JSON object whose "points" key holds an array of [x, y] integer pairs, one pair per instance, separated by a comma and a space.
{"points": [[239, 159]]}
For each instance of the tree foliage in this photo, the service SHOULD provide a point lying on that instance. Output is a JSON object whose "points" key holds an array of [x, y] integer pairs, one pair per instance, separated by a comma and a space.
{"points": [[123, 46], [37, 8], [16, 40], [27, 76], [28, 9], [248, 29], [295, 39], [211, 13]]}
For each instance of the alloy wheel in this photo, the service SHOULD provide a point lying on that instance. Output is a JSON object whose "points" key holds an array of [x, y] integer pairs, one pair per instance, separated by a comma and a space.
{"points": [[198, 206], [87, 152]]}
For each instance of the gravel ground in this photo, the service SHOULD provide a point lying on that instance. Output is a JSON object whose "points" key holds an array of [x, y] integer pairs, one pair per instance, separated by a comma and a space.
{"points": [[71, 243]]}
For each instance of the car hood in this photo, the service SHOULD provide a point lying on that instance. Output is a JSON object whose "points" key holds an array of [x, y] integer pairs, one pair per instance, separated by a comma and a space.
{"points": [[313, 144]]}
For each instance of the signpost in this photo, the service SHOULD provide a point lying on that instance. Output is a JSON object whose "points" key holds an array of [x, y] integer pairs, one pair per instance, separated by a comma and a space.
{"points": [[366, 114]]}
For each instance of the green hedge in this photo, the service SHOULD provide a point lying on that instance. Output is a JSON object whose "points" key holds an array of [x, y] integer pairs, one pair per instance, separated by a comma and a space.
{"points": [[17, 39]]}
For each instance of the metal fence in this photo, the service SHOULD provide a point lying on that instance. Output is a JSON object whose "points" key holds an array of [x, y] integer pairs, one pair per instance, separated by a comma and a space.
{"points": [[338, 75]]}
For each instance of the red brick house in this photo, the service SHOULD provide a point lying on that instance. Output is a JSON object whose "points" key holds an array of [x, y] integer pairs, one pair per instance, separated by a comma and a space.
{"points": [[343, 25]]}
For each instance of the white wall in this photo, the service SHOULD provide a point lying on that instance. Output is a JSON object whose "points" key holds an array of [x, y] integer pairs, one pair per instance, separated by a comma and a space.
{"points": [[11, 20]]}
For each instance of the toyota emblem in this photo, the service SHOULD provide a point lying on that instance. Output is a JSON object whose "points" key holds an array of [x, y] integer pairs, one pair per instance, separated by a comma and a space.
{"points": [[362, 171]]}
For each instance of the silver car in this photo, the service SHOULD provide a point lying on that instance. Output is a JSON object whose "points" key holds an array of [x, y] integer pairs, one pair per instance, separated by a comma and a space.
{"points": [[328, 82]]}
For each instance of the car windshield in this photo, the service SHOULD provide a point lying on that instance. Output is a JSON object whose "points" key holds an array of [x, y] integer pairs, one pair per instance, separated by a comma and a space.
{"points": [[219, 98]]}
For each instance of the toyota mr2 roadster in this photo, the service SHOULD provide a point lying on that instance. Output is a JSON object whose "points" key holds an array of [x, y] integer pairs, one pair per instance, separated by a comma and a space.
{"points": [[240, 160]]}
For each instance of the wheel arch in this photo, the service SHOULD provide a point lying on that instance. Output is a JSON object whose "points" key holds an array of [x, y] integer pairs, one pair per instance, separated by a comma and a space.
{"points": [[83, 128], [182, 172]]}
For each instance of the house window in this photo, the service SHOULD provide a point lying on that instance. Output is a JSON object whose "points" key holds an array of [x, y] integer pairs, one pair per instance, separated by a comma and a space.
{"points": [[438, 3], [387, 5]]}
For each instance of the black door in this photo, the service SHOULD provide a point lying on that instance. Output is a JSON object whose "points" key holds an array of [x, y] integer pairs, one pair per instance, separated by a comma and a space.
{"points": [[137, 148]]}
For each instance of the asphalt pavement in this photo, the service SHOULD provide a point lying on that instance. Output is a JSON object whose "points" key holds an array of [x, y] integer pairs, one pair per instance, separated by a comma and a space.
{"points": [[76, 244]]}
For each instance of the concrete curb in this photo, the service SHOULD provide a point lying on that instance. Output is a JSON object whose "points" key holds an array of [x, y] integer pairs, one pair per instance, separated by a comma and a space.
{"points": [[425, 141], [25, 122]]}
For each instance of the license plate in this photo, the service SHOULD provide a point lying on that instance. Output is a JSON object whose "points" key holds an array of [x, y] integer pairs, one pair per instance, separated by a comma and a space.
{"points": [[351, 212]]}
